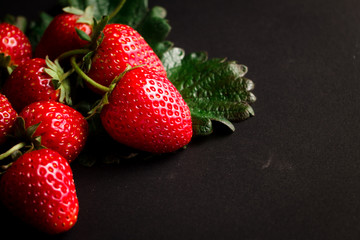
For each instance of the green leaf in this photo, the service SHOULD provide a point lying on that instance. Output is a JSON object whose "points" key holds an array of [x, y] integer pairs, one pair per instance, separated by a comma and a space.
{"points": [[54, 69], [4, 60], [55, 83], [150, 23], [214, 89], [173, 58], [6, 68], [97, 35], [83, 35], [60, 80], [19, 128], [88, 16], [132, 12], [202, 126], [73, 10], [31, 130], [155, 28], [87, 61]]}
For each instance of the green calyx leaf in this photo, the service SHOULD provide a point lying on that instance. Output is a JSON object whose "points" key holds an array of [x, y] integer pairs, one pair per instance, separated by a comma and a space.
{"points": [[74, 10], [105, 98], [86, 16], [87, 61], [4, 60], [83, 35], [59, 80], [6, 68], [97, 33], [214, 89], [26, 135], [150, 23]]}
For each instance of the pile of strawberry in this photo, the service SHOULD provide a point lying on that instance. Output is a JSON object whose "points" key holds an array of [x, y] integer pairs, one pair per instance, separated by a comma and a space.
{"points": [[41, 129]]}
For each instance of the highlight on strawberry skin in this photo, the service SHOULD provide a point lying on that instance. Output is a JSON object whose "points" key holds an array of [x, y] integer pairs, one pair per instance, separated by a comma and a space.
{"points": [[39, 189], [146, 112], [7, 118], [15, 47]]}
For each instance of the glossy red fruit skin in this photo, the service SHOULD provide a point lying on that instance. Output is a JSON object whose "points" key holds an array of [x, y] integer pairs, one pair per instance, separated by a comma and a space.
{"points": [[14, 43], [29, 83], [122, 46], [146, 112], [60, 36], [7, 118], [62, 128], [39, 189]]}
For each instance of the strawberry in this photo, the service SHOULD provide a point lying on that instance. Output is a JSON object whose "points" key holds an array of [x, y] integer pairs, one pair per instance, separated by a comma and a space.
{"points": [[145, 111], [61, 36], [61, 128], [7, 117], [39, 188], [32, 81], [122, 46], [13, 44]]}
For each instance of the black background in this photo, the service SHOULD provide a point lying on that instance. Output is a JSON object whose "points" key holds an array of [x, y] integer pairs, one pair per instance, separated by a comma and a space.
{"points": [[290, 172]]}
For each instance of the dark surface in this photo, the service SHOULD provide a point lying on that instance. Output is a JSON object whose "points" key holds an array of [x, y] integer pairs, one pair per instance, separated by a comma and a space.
{"points": [[291, 172]]}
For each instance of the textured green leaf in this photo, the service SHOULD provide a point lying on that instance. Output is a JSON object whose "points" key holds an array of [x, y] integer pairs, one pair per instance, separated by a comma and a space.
{"points": [[132, 12], [155, 28], [150, 23], [202, 126], [215, 89]]}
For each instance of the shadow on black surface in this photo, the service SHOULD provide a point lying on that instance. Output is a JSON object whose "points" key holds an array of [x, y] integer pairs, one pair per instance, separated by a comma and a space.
{"points": [[101, 148], [13, 228]]}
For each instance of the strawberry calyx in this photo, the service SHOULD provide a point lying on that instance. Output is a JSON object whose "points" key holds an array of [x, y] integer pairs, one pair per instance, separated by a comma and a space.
{"points": [[26, 134], [86, 16], [94, 41], [5, 63], [107, 90], [105, 99], [59, 80], [96, 37], [26, 142]]}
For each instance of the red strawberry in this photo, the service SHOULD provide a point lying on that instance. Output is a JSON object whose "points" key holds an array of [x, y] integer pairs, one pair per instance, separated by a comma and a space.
{"points": [[122, 46], [7, 117], [14, 43], [39, 188], [60, 36], [145, 111], [32, 82], [61, 128]]}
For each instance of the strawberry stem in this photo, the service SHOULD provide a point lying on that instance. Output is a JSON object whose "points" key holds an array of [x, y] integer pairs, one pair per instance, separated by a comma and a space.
{"points": [[117, 9], [3, 168], [12, 150], [72, 53], [86, 77]]}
